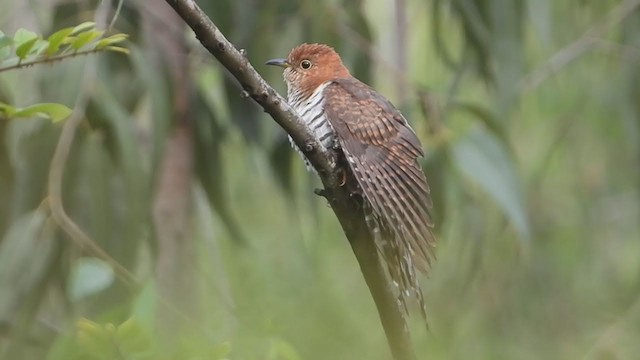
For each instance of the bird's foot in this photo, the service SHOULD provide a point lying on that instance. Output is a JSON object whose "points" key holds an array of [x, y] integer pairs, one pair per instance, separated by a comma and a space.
{"points": [[321, 192], [343, 178], [335, 144]]}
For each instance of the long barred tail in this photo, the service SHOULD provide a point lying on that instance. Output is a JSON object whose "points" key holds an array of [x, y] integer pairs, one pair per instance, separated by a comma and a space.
{"points": [[397, 195], [382, 152], [399, 266]]}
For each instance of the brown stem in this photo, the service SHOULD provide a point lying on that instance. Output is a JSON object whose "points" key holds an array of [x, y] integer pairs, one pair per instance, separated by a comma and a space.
{"points": [[255, 86], [50, 59], [346, 207]]}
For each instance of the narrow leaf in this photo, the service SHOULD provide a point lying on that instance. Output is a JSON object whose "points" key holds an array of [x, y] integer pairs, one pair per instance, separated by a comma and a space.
{"points": [[113, 39], [85, 38], [7, 110], [56, 112], [118, 49], [56, 39], [85, 26]]}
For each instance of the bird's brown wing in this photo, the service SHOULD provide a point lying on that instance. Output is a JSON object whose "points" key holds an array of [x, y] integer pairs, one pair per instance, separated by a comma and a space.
{"points": [[382, 151]]}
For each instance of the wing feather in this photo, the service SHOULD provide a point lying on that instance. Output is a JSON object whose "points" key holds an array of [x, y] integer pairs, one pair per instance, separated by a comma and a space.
{"points": [[383, 151]]}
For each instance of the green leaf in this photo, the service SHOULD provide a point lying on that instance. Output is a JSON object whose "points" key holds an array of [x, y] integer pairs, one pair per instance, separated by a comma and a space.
{"points": [[85, 26], [56, 39], [7, 110], [483, 158], [85, 38], [23, 50], [56, 112], [118, 49], [39, 47], [113, 39], [89, 276], [22, 36]]}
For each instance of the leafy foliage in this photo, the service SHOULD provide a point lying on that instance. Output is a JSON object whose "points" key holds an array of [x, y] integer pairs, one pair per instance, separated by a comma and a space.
{"points": [[27, 48], [535, 186], [52, 111], [30, 48]]}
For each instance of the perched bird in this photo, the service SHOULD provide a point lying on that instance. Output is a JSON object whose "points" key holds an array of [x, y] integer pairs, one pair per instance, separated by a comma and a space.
{"points": [[381, 152]]}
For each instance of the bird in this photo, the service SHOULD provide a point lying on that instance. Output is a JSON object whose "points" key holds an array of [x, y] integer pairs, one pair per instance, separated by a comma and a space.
{"points": [[381, 152]]}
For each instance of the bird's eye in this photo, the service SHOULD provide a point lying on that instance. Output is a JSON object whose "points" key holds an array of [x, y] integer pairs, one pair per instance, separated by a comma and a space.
{"points": [[305, 64]]}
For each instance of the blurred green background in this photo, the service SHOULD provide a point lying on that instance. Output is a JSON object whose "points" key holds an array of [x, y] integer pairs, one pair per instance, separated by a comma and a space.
{"points": [[529, 112]]}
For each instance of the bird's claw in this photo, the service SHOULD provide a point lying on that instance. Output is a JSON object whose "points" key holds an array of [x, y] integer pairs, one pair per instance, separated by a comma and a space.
{"points": [[336, 144], [343, 180], [320, 192]]}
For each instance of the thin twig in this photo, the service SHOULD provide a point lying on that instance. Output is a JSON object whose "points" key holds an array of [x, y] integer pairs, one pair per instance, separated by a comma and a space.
{"points": [[116, 15], [347, 208], [50, 59]]}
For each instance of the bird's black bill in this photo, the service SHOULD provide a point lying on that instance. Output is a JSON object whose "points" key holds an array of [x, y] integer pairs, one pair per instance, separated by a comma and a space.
{"points": [[278, 62]]}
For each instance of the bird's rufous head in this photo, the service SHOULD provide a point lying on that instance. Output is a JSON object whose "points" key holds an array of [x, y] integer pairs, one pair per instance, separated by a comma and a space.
{"points": [[309, 66]]}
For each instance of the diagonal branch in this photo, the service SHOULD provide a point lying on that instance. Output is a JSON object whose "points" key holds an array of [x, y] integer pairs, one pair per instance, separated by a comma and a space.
{"points": [[255, 86], [348, 208]]}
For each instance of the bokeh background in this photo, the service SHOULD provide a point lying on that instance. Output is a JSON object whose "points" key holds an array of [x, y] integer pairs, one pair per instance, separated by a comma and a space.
{"points": [[529, 112]]}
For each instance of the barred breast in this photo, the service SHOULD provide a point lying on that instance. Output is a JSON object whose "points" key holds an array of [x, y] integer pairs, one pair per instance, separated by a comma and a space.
{"points": [[311, 110]]}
